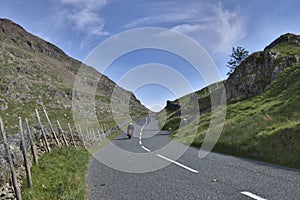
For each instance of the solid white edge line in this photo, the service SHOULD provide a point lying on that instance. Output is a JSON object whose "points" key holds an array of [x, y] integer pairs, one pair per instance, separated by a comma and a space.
{"points": [[253, 196], [146, 149], [141, 142], [177, 163]]}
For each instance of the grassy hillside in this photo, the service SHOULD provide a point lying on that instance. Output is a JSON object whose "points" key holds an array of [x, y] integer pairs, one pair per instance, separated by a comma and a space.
{"points": [[265, 126], [36, 74], [59, 175]]}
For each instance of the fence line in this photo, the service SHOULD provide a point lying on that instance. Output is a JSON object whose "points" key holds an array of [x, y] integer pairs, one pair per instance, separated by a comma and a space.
{"points": [[35, 159], [10, 163], [62, 133], [43, 131], [23, 147], [51, 127], [81, 135], [92, 137], [70, 129]]}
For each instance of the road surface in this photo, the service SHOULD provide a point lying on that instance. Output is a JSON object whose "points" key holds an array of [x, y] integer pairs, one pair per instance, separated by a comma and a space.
{"points": [[140, 168]]}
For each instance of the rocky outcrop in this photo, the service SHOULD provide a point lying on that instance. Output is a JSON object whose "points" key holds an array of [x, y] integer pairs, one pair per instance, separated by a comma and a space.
{"points": [[28, 42], [172, 106], [260, 69], [253, 75], [288, 38]]}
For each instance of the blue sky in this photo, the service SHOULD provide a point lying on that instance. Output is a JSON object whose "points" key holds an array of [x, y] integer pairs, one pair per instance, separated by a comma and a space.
{"points": [[78, 26]]}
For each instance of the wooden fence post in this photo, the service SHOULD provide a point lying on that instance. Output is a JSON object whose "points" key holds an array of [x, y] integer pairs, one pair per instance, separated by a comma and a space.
{"points": [[94, 135], [62, 132], [35, 160], [23, 147], [101, 128], [102, 132], [51, 127], [43, 131], [99, 135], [88, 136], [107, 130], [70, 129], [10, 162], [81, 135]]}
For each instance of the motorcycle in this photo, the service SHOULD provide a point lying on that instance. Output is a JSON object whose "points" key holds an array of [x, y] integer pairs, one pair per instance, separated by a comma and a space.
{"points": [[129, 133]]}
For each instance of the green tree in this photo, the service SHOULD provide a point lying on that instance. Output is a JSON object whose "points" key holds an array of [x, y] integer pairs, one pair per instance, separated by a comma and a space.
{"points": [[237, 55]]}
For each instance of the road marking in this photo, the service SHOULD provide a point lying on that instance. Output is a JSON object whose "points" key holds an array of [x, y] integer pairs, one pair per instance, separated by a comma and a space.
{"points": [[146, 149], [177, 163], [140, 141], [253, 196], [163, 157]]}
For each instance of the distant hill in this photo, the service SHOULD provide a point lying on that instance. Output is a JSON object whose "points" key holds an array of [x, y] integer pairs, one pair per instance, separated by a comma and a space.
{"points": [[35, 73], [263, 111]]}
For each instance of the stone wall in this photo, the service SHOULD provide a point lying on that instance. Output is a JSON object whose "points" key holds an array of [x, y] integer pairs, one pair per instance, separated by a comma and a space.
{"points": [[14, 143]]}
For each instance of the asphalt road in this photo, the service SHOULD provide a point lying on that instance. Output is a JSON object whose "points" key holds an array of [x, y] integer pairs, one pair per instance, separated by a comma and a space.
{"points": [[143, 168]]}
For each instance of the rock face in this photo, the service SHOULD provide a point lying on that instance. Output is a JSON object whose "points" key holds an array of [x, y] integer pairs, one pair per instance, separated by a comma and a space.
{"points": [[173, 106], [254, 74], [28, 42], [260, 69]]}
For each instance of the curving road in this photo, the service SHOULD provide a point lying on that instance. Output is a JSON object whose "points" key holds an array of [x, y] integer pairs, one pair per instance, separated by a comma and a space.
{"points": [[143, 168]]}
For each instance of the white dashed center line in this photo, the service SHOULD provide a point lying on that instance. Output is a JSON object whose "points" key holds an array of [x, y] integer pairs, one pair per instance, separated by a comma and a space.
{"points": [[161, 156], [253, 196], [146, 149], [177, 163]]}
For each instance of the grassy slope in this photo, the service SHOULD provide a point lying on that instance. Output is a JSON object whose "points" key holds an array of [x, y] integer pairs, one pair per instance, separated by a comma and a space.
{"points": [[34, 72], [265, 127], [60, 174]]}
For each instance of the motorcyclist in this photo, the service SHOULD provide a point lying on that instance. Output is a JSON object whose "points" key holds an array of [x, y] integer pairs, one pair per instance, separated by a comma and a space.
{"points": [[130, 129]]}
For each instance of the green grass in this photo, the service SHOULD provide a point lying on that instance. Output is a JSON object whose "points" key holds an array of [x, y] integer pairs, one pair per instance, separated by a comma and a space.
{"points": [[60, 174], [265, 127], [286, 49]]}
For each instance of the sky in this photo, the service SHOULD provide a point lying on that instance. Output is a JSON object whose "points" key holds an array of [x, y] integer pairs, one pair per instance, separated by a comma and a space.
{"points": [[79, 26]]}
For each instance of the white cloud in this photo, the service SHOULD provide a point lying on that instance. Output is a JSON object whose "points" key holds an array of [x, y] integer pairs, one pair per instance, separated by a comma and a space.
{"points": [[187, 28], [89, 22], [161, 18], [210, 24], [85, 16], [86, 4], [229, 28]]}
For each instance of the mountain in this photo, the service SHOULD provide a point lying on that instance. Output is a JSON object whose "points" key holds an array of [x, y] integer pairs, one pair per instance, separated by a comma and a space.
{"points": [[36, 73], [263, 107]]}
